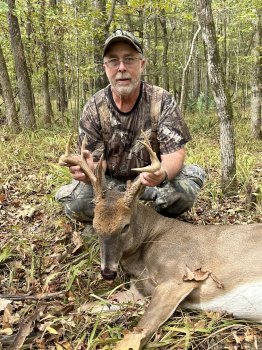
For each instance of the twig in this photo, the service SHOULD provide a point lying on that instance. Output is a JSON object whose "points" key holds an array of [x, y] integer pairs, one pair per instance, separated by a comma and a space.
{"points": [[9, 339], [37, 297]]}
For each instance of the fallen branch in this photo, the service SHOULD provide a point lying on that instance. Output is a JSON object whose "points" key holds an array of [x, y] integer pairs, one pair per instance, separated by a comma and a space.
{"points": [[37, 297], [9, 339]]}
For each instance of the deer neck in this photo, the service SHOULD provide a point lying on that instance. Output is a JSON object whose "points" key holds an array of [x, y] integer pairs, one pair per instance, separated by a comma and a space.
{"points": [[144, 223]]}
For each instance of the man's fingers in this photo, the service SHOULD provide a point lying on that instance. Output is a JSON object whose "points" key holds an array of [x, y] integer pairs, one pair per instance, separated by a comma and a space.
{"points": [[74, 169], [87, 154], [80, 177]]}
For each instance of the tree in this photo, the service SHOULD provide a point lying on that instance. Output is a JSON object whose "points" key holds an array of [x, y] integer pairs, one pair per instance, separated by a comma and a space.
{"points": [[185, 72], [59, 49], [23, 81], [11, 113], [103, 23], [256, 79], [48, 111], [163, 22], [221, 96]]}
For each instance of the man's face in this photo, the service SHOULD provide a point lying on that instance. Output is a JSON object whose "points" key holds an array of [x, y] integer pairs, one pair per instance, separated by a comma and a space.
{"points": [[123, 66]]}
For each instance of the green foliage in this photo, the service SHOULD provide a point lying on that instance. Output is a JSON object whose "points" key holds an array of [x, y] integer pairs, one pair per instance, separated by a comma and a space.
{"points": [[5, 253], [3, 8], [73, 28]]}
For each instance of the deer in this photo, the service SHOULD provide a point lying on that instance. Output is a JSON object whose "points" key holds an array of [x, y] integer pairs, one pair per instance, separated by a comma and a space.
{"points": [[174, 263]]}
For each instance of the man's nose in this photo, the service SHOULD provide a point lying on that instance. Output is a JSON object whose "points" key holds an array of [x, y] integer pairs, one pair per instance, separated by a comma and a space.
{"points": [[122, 66]]}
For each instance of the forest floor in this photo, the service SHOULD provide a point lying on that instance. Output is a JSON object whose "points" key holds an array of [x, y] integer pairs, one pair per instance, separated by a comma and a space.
{"points": [[50, 273]]}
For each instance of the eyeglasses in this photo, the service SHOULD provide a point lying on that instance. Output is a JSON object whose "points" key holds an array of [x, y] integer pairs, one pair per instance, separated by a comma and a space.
{"points": [[129, 62]]}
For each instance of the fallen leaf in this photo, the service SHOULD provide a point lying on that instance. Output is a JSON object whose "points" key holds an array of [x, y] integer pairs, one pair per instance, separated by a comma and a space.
{"points": [[2, 197], [6, 331], [238, 338], [132, 340], [27, 211], [25, 329], [51, 330], [4, 303], [197, 275], [65, 345], [77, 240]]}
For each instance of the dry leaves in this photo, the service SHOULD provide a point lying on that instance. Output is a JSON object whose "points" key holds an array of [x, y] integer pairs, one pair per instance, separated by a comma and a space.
{"points": [[199, 275]]}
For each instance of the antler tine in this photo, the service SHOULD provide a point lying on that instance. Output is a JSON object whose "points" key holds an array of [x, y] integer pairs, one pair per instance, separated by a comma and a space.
{"points": [[83, 147], [68, 144], [68, 160], [155, 163], [133, 190]]}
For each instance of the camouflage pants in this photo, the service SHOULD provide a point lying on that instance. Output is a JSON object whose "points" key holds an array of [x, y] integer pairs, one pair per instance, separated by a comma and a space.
{"points": [[174, 198]]}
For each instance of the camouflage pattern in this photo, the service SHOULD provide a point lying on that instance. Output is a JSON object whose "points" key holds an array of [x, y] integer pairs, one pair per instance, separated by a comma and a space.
{"points": [[121, 35], [115, 134], [170, 200]]}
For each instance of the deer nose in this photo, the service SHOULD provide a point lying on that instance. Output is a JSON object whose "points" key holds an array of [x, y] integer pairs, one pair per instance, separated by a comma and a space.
{"points": [[108, 274]]}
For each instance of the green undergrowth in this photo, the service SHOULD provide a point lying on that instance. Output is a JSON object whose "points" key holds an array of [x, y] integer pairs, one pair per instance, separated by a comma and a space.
{"points": [[44, 254]]}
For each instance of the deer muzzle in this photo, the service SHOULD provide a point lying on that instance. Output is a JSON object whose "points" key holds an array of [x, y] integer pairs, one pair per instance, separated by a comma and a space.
{"points": [[108, 274], [110, 252]]}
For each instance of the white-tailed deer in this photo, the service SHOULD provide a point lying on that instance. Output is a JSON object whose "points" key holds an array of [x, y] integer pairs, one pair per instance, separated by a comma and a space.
{"points": [[216, 268]]}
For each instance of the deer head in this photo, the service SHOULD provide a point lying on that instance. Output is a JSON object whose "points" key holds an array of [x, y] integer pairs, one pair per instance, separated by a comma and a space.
{"points": [[114, 211]]}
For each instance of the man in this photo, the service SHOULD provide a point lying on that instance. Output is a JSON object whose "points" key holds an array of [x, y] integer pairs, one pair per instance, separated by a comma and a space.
{"points": [[113, 120]]}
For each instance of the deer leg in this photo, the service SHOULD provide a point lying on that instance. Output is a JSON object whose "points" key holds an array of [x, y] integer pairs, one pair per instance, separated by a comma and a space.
{"points": [[166, 298]]}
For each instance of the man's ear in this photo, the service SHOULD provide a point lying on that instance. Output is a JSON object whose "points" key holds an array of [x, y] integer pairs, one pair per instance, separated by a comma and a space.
{"points": [[143, 63]]}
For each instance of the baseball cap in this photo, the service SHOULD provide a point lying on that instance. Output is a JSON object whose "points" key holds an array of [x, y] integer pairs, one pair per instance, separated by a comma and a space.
{"points": [[122, 35]]}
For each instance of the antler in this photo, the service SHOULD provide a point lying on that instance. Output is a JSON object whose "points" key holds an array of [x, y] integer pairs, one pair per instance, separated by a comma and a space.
{"points": [[137, 187], [155, 163], [68, 160]]}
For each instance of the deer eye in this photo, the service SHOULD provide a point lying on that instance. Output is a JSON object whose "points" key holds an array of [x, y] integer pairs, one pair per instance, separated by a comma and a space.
{"points": [[125, 229]]}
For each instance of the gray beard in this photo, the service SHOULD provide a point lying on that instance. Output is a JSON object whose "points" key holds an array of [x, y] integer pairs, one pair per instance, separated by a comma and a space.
{"points": [[126, 90]]}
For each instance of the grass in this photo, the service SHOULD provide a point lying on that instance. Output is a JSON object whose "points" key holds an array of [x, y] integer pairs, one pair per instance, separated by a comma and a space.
{"points": [[42, 252]]}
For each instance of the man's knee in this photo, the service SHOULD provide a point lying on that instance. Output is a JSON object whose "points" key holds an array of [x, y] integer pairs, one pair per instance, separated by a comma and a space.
{"points": [[190, 181], [180, 194], [76, 198]]}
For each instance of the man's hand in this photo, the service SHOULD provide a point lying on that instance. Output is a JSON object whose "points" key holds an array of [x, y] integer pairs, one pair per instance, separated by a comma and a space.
{"points": [[153, 179], [171, 164], [75, 171]]}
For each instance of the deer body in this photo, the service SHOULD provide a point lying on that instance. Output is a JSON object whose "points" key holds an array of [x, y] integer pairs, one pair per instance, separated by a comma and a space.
{"points": [[210, 267], [157, 253]]}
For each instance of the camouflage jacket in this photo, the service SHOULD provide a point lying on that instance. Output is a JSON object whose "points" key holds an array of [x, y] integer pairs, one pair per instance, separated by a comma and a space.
{"points": [[115, 134]]}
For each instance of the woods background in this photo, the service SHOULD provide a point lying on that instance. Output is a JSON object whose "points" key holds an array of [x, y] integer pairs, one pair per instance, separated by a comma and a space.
{"points": [[63, 40]]}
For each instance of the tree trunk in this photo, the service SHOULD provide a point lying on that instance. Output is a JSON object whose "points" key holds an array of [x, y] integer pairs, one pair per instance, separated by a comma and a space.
{"points": [[126, 13], [29, 45], [154, 56], [162, 20], [23, 81], [47, 110], [58, 47], [99, 39], [196, 74], [11, 113], [256, 80], [221, 97], [185, 72]]}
